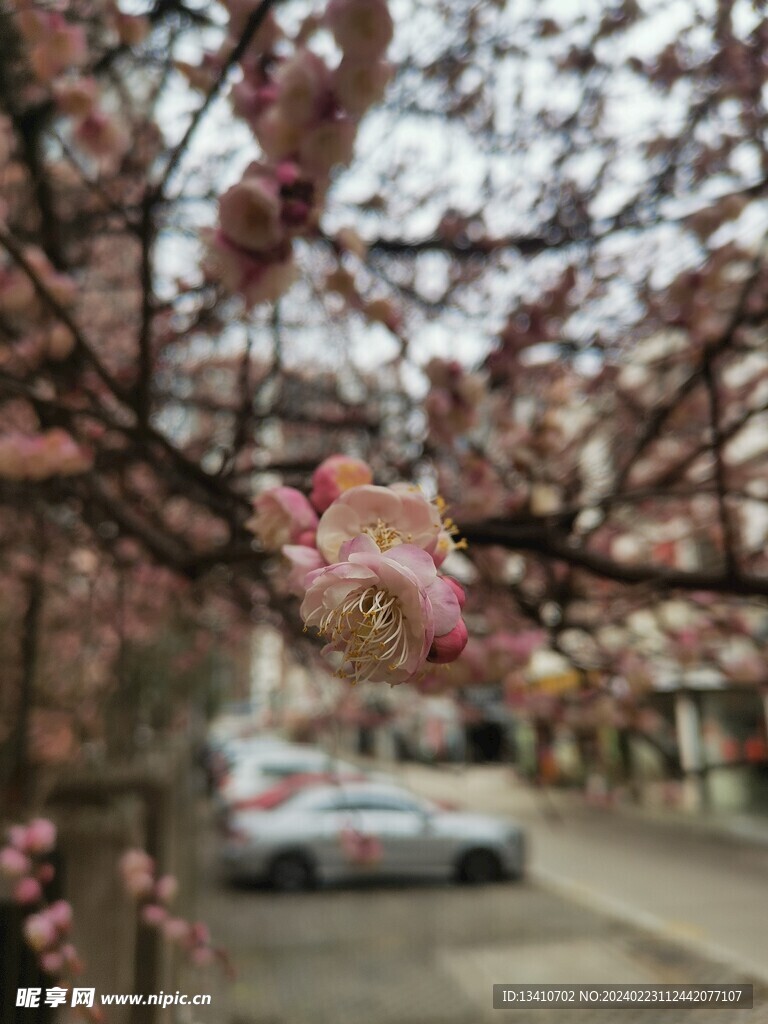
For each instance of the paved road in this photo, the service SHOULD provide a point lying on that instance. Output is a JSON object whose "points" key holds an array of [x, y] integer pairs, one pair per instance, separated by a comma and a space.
{"points": [[428, 955], [708, 891]]}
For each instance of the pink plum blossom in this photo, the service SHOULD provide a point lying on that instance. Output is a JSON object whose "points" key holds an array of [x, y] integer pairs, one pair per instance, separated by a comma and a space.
{"points": [[282, 514], [330, 144], [302, 83], [71, 958], [390, 515], [41, 836], [249, 212], [242, 273], [14, 863], [45, 873], [358, 84], [176, 929], [61, 46], [153, 915], [200, 933], [137, 869], [27, 890], [139, 884], [336, 474], [303, 559], [250, 100], [362, 28], [101, 135], [166, 888], [52, 963], [39, 932], [75, 97], [132, 29], [278, 136], [17, 293], [31, 23], [379, 611], [59, 342], [60, 913], [202, 956]]}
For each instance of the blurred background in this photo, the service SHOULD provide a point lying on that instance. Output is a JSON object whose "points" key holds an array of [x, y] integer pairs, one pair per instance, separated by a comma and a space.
{"points": [[525, 270]]}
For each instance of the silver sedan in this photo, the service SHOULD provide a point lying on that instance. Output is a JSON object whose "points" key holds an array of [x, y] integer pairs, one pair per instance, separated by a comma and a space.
{"points": [[353, 830]]}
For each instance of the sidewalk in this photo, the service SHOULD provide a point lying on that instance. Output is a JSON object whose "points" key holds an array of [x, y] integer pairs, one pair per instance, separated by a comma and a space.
{"points": [[693, 882], [495, 788]]}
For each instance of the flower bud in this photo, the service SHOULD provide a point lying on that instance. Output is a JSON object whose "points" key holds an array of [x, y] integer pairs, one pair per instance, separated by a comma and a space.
{"points": [[449, 646]]}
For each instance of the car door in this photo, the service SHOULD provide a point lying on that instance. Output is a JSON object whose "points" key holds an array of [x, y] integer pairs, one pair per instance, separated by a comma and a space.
{"points": [[345, 833], [404, 832]]}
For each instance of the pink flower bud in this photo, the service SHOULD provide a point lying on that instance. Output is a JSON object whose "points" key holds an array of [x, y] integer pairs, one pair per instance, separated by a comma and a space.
{"points": [[457, 588], [336, 474], [153, 915], [166, 889], [281, 515], [139, 884], [60, 913], [200, 933], [135, 861], [27, 891], [41, 836], [203, 956], [17, 835], [449, 646], [14, 863], [287, 173], [52, 963], [71, 958], [45, 873], [39, 932], [176, 929]]}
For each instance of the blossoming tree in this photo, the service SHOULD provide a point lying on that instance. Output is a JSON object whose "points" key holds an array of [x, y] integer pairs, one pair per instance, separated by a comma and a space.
{"points": [[513, 298]]}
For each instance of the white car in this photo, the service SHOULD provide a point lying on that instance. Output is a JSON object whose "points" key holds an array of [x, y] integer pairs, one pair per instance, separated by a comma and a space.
{"points": [[258, 771], [359, 829]]}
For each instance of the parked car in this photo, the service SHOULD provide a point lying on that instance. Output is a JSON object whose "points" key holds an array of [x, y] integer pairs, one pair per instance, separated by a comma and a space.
{"points": [[283, 790], [258, 771], [360, 830]]}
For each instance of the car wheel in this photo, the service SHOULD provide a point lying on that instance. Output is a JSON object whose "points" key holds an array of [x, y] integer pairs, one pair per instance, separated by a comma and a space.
{"points": [[291, 872], [479, 867]]}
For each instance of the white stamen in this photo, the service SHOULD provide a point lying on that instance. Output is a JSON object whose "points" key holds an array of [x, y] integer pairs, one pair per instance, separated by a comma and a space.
{"points": [[369, 631]]}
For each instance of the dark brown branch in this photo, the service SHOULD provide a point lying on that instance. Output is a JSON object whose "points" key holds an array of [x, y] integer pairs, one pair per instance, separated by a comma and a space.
{"points": [[252, 26], [546, 538]]}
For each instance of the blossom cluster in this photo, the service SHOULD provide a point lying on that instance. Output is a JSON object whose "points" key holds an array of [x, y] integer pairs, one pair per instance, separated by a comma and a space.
{"points": [[304, 115], [47, 927], [58, 55], [155, 896], [41, 456], [453, 399], [365, 560]]}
